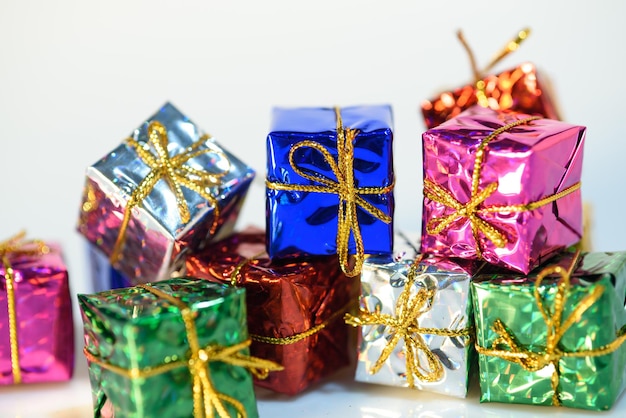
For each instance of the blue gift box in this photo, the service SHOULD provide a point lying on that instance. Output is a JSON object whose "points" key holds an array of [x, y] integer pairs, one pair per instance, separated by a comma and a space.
{"points": [[307, 171], [103, 275]]}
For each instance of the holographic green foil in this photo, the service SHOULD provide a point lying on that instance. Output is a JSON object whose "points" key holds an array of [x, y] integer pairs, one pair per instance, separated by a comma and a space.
{"points": [[132, 327], [587, 382]]}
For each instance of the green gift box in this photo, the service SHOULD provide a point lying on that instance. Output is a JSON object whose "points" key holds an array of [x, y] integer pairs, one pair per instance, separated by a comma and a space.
{"points": [[556, 336], [175, 348]]}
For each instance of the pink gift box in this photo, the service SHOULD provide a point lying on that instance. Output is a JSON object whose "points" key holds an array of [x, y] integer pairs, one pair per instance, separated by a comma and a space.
{"points": [[516, 205], [43, 312]]}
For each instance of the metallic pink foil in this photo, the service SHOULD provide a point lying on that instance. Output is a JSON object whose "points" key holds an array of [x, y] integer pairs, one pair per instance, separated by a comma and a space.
{"points": [[45, 330], [529, 162]]}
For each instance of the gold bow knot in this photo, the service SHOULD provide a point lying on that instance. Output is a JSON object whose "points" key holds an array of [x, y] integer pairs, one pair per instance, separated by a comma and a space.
{"points": [[16, 246], [507, 345], [177, 174], [350, 196], [475, 207], [405, 325]]}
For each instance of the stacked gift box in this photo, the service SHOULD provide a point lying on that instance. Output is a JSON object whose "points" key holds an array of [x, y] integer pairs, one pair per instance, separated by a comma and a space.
{"points": [[190, 312]]}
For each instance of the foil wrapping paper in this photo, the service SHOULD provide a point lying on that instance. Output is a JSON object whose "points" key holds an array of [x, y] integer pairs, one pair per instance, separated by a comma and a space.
{"points": [[528, 163], [382, 282], [156, 238], [285, 300], [519, 89], [43, 308], [305, 223], [132, 327], [103, 275], [585, 382]]}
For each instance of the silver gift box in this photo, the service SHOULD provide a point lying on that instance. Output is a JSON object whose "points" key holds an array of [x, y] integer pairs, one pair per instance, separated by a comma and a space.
{"points": [[157, 238], [382, 282]]}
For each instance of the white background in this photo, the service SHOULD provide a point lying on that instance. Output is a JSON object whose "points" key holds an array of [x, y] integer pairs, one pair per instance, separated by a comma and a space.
{"points": [[76, 77]]}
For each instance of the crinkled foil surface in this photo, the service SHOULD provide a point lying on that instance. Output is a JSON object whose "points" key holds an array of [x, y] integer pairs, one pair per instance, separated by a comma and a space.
{"points": [[306, 222], [156, 238], [382, 282], [529, 162], [585, 382], [285, 299], [132, 327], [43, 308]]}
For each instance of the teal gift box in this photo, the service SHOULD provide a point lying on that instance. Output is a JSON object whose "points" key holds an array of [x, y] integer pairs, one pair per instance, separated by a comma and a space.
{"points": [[556, 336]]}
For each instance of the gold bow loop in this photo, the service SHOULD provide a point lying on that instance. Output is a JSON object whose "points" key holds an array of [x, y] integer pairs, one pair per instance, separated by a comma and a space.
{"points": [[507, 346], [177, 174], [474, 207], [405, 325], [478, 75], [16, 246], [350, 196], [207, 401]]}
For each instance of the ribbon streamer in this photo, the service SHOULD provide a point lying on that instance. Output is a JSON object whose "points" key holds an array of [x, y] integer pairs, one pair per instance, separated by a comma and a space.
{"points": [[511, 46], [507, 345], [206, 399], [405, 326], [16, 246], [175, 172], [350, 196], [472, 208]]}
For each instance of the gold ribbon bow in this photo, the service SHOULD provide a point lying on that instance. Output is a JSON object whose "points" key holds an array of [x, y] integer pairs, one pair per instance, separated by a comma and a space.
{"points": [[350, 196], [472, 208], [206, 399], [511, 46], [175, 172], [405, 325], [507, 347], [16, 246]]}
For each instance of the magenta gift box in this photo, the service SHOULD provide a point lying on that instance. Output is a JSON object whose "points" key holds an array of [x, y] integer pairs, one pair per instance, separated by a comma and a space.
{"points": [[501, 187], [43, 313]]}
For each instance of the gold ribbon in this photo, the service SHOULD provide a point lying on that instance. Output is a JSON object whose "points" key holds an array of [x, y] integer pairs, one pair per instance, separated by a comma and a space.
{"points": [[350, 196], [511, 46], [16, 246], [175, 172], [206, 399], [293, 338], [471, 209], [507, 347], [405, 325]]}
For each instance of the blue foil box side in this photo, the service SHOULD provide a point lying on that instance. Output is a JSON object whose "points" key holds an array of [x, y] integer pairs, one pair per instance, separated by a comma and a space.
{"points": [[299, 223], [103, 275]]}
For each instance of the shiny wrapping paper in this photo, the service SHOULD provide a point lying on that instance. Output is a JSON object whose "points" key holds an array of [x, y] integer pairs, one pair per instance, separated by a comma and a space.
{"points": [[527, 163], [300, 223], [585, 382], [285, 300], [382, 282], [103, 275], [43, 309], [156, 237], [519, 89], [132, 327]]}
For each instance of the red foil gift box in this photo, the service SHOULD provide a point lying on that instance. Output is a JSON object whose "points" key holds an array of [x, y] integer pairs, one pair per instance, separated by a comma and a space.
{"points": [[503, 187], [519, 89], [36, 327], [295, 308]]}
